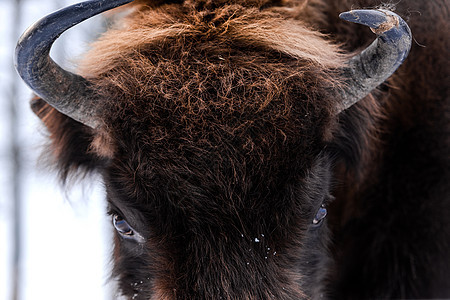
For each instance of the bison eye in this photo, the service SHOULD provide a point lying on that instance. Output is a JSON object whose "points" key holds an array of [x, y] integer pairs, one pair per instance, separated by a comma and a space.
{"points": [[122, 226], [320, 215], [125, 230]]}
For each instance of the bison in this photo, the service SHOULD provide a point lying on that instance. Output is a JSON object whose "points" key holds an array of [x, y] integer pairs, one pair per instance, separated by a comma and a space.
{"points": [[260, 149]]}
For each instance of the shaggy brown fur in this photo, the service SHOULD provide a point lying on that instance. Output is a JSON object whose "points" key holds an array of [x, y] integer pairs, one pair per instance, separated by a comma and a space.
{"points": [[220, 130]]}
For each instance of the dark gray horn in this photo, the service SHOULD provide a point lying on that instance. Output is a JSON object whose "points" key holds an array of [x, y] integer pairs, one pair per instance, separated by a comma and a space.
{"points": [[365, 71], [67, 92]]}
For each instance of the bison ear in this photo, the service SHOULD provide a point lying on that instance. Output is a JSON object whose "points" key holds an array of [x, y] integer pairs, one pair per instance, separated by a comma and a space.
{"points": [[70, 147]]}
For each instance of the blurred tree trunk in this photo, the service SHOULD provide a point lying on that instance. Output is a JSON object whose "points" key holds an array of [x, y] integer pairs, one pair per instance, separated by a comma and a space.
{"points": [[16, 166]]}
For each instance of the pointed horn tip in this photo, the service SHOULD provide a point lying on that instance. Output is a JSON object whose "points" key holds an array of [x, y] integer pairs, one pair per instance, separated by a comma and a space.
{"points": [[379, 20], [348, 16], [53, 84]]}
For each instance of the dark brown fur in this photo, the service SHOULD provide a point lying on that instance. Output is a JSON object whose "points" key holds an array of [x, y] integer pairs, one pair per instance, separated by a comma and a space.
{"points": [[219, 129]]}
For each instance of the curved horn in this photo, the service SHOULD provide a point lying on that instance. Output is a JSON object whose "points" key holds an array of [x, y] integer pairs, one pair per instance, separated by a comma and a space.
{"points": [[376, 63], [67, 92]]}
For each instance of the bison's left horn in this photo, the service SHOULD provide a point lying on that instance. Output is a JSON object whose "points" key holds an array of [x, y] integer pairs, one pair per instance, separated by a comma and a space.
{"points": [[67, 92], [365, 71]]}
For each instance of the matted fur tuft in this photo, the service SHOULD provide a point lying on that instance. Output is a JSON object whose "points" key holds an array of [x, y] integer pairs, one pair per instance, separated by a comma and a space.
{"points": [[69, 150]]}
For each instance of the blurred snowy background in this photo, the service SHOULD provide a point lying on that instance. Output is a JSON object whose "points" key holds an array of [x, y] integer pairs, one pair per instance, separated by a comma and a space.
{"points": [[53, 242]]}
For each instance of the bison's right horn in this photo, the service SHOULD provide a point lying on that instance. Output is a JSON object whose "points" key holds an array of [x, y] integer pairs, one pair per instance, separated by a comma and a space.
{"points": [[365, 71], [67, 92]]}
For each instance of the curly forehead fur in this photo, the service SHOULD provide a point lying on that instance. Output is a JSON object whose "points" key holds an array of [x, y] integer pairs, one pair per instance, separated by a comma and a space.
{"points": [[214, 86], [206, 67]]}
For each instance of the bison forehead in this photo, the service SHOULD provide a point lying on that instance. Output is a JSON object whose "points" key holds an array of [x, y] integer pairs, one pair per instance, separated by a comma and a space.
{"points": [[205, 102], [223, 128], [199, 99], [210, 98]]}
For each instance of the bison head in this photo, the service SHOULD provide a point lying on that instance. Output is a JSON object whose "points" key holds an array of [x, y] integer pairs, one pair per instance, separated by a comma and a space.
{"points": [[211, 125]]}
